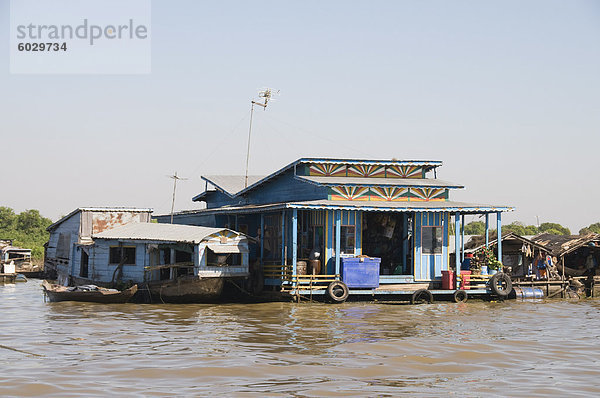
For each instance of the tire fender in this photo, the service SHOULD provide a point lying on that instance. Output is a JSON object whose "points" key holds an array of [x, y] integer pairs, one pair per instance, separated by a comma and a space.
{"points": [[500, 284], [338, 291], [421, 296], [460, 296]]}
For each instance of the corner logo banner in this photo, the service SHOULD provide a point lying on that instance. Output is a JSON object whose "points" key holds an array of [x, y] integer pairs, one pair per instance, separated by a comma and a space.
{"points": [[80, 37]]}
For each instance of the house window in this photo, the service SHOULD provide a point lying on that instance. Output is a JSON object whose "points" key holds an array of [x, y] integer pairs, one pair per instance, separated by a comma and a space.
{"points": [[347, 239], [122, 254], [431, 240], [83, 265], [63, 247]]}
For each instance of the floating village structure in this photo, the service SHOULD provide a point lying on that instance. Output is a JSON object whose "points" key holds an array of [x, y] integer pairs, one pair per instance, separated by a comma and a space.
{"points": [[119, 246], [18, 257], [68, 248], [378, 226], [173, 263]]}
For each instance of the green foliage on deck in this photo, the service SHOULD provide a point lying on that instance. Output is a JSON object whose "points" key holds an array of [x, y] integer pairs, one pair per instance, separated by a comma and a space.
{"points": [[26, 229]]}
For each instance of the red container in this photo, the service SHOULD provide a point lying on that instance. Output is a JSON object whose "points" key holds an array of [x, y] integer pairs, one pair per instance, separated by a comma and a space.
{"points": [[465, 278], [448, 280]]}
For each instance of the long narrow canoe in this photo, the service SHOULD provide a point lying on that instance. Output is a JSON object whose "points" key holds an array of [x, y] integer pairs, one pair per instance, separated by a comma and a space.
{"points": [[98, 295]]}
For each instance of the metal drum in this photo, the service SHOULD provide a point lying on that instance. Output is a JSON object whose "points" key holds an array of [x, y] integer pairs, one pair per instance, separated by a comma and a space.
{"points": [[529, 293], [301, 268]]}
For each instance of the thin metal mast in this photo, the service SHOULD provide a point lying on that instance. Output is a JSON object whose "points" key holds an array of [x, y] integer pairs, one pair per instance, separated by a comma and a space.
{"points": [[266, 94], [175, 178]]}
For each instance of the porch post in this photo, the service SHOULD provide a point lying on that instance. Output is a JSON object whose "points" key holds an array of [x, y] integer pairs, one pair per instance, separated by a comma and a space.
{"points": [[283, 256], [294, 240], [457, 244], [462, 238], [499, 230], [262, 237], [487, 229], [338, 237]]}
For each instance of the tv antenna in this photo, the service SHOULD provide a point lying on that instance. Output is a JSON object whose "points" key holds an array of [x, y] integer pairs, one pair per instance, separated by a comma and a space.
{"points": [[267, 95], [175, 178]]}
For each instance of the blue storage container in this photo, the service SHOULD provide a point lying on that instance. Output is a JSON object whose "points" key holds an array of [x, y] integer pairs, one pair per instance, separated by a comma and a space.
{"points": [[360, 271]]}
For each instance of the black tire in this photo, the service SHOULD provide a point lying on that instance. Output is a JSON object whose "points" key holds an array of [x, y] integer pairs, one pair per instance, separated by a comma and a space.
{"points": [[460, 296], [500, 284], [338, 291], [421, 296]]}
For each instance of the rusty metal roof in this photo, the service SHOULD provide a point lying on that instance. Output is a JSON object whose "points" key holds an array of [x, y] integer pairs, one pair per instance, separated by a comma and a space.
{"points": [[99, 209], [160, 232]]}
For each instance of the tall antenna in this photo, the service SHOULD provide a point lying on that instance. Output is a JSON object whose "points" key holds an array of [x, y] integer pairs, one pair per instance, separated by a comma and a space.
{"points": [[175, 177], [267, 94]]}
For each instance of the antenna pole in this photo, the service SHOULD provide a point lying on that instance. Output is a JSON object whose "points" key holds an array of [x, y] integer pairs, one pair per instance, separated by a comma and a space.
{"points": [[174, 188], [266, 94], [175, 177], [248, 151]]}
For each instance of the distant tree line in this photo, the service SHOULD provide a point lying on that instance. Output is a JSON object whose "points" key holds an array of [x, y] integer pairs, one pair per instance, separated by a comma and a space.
{"points": [[519, 228], [26, 229]]}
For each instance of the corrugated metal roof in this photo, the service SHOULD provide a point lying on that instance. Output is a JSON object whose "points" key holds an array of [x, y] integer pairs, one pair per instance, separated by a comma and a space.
{"points": [[433, 206], [377, 181], [230, 184], [159, 232], [99, 209]]}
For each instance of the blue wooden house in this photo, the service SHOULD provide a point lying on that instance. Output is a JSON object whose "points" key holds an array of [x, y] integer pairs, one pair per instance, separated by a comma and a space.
{"points": [[337, 209]]}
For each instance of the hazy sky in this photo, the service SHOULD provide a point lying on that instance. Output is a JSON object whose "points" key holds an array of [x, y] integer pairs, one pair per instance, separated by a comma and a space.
{"points": [[505, 93]]}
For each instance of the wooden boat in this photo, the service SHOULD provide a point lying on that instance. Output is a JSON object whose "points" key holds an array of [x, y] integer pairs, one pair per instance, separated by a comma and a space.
{"points": [[186, 289], [87, 293], [8, 278]]}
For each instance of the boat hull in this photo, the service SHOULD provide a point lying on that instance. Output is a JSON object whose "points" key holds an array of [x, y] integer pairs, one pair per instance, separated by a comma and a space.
{"points": [[187, 289], [60, 293]]}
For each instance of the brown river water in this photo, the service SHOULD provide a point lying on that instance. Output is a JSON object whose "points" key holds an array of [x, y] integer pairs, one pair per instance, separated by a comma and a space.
{"points": [[478, 349]]}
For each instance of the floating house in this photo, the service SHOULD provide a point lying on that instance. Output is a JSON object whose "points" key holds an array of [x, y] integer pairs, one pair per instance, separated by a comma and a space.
{"points": [[518, 252], [576, 255], [67, 250], [332, 213], [174, 263], [120, 246], [21, 258]]}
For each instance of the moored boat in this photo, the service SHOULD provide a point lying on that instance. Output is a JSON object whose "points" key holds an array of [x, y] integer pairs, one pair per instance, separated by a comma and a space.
{"points": [[87, 293], [186, 289]]}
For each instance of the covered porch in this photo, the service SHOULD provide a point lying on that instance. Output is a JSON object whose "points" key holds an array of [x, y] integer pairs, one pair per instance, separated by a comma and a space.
{"points": [[410, 238]]}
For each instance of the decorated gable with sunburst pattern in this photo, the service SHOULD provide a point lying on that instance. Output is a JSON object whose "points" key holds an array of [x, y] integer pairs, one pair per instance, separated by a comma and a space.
{"points": [[389, 194], [349, 193], [428, 194], [405, 171], [364, 170], [327, 170]]}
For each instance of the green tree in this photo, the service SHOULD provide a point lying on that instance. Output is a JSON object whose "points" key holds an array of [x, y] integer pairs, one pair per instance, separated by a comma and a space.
{"points": [[7, 218], [27, 229], [475, 228], [515, 227], [31, 221], [592, 228], [554, 229], [520, 228]]}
